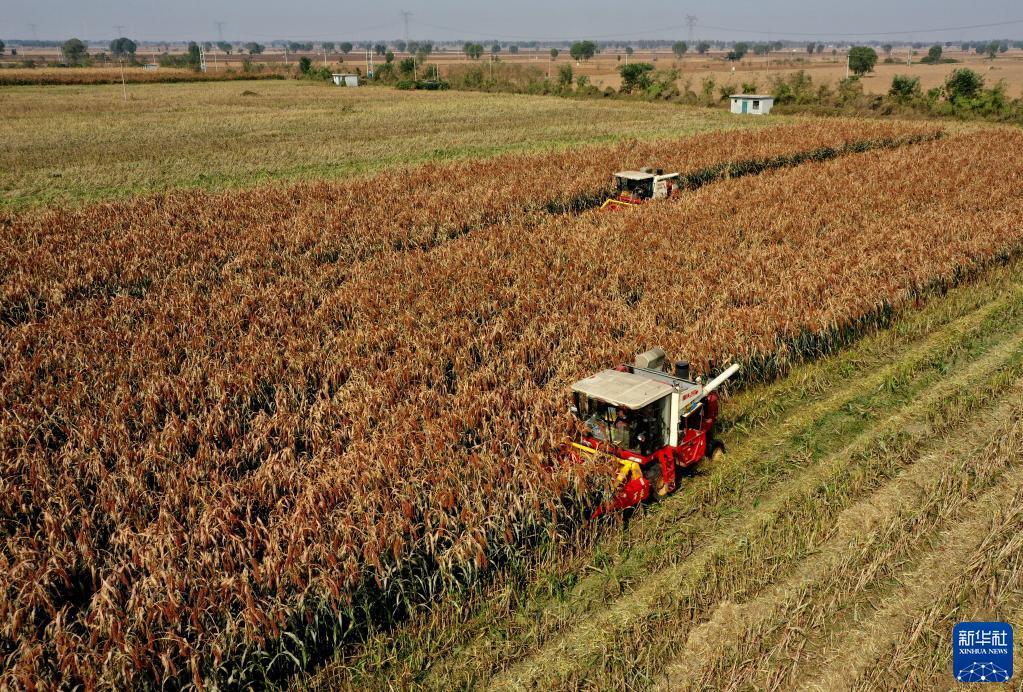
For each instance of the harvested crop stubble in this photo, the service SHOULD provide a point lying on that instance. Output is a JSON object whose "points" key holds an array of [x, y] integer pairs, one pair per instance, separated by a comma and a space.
{"points": [[245, 449], [318, 229]]}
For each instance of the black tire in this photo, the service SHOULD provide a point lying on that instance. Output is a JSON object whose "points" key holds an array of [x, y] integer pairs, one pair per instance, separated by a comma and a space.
{"points": [[655, 477]]}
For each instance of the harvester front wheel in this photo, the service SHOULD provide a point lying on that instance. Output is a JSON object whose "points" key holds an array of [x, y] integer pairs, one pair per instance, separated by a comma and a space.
{"points": [[654, 475]]}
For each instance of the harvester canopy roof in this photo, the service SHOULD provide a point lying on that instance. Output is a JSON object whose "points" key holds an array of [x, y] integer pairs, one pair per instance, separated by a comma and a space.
{"points": [[622, 388], [633, 175]]}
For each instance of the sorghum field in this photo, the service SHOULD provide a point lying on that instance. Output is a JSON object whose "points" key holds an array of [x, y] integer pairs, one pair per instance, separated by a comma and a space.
{"points": [[242, 430]]}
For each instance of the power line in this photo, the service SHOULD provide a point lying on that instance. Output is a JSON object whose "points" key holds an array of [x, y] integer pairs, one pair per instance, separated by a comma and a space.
{"points": [[664, 30], [865, 34]]}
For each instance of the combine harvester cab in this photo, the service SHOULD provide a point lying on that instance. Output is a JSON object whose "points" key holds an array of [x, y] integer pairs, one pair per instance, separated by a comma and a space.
{"points": [[633, 188], [651, 422]]}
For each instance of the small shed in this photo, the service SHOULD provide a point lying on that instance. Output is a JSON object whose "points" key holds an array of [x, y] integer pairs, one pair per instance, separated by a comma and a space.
{"points": [[350, 80], [752, 104]]}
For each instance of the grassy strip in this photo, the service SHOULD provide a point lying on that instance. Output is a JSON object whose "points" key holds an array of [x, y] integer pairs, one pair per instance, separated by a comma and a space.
{"points": [[788, 527], [874, 540], [528, 608], [989, 573]]}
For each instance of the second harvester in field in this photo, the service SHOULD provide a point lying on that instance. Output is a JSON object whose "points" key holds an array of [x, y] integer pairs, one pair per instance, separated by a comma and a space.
{"points": [[638, 187], [650, 421]]}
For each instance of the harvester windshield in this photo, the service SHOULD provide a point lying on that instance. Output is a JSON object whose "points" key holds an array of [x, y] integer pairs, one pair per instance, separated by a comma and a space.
{"points": [[639, 431], [635, 184]]}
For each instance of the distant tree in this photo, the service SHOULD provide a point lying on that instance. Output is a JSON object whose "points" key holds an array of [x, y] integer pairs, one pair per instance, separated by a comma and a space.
{"points": [[635, 76], [629, 50], [426, 48], [583, 50], [412, 47], [565, 75], [1003, 46], [327, 46], [862, 59], [963, 84], [254, 48], [933, 55], [992, 49], [407, 67], [820, 48], [122, 47], [702, 47], [679, 48], [304, 64], [380, 49], [495, 48], [904, 87], [761, 49], [194, 57], [388, 57], [400, 46], [513, 49], [74, 52], [224, 46], [887, 48], [810, 47], [777, 46], [554, 53], [738, 52], [473, 50], [2, 46]]}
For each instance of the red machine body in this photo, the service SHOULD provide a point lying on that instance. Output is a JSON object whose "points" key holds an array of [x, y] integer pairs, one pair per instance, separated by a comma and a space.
{"points": [[651, 422]]}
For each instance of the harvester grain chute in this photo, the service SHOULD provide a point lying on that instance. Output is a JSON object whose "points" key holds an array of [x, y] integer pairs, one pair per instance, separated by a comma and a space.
{"points": [[633, 188], [652, 422]]}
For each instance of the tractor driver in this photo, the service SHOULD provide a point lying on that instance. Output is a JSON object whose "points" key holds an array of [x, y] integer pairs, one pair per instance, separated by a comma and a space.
{"points": [[620, 431]]}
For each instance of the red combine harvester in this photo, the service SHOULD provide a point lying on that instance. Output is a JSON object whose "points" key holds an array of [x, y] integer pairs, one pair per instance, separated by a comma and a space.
{"points": [[650, 421], [633, 188]]}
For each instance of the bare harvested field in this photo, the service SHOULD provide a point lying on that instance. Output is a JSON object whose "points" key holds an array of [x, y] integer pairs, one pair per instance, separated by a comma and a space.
{"points": [[824, 68]]}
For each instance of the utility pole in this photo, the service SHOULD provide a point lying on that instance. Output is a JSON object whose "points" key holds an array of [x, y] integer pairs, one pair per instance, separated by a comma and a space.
{"points": [[32, 28], [405, 15], [691, 22], [120, 30]]}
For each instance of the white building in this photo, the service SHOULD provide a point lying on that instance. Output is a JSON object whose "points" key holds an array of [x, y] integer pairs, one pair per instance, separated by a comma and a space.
{"points": [[351, 80], [752, 104]]}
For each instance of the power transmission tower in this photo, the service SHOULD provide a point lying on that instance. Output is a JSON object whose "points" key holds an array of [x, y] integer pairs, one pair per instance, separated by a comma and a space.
{"points": [[691, 22], [120, 30], [220, 31], [32, 28], [405, 15]]}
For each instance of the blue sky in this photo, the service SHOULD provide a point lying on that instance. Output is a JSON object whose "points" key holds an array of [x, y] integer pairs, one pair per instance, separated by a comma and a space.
{"points": [[443, 19]]}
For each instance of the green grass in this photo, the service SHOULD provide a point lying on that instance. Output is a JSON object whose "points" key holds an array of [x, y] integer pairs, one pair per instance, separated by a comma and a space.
{"points": [[85, 143]]}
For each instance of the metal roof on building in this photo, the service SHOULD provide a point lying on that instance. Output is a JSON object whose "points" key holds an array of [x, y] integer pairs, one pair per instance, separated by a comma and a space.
{"points": [[623, 388], [760, 97]]}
